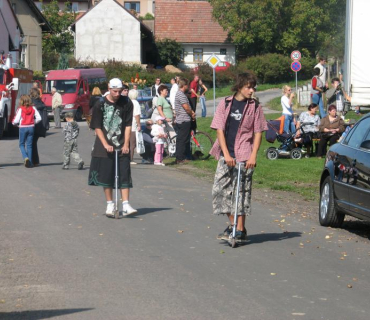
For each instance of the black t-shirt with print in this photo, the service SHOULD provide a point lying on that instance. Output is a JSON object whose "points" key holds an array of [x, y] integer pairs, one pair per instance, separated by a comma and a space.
{"points": [[112, 119], [233, 122]]}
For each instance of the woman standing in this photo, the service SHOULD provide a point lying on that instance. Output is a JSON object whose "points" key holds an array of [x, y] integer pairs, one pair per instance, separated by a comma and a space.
{"points": [[135, 122], [202, 98], [40, 130], [331, 128], [163, 106], [95, 96], [26, 117], [287, 105]]}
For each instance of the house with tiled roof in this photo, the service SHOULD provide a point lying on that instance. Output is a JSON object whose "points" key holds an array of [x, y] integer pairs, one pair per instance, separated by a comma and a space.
{"points": [[109, 31], [191, 24]]}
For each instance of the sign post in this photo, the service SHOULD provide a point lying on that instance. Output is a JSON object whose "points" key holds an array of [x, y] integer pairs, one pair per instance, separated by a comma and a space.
{"points": [[296, 66], [213, 62]]}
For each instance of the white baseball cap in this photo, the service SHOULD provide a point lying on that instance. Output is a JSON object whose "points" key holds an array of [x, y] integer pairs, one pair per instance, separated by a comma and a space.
{"points": [[115, 83]]}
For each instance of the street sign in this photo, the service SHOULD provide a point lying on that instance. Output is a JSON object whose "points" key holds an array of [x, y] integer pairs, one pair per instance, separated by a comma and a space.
{"points": [[213, 61], [295, 55], [296, 66]]}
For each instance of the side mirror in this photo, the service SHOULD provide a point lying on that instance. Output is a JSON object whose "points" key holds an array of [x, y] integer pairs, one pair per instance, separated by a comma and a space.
{"points": [[14, 85], [365, 145]]}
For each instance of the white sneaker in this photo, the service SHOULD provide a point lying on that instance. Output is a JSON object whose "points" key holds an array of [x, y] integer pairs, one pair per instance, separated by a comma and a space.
{"points": [[127, 210], [110, 210], [159, 164], [133, 162]]}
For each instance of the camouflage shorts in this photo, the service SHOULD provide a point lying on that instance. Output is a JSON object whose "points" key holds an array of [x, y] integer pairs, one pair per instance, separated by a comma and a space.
{"points": [[224, 187]]}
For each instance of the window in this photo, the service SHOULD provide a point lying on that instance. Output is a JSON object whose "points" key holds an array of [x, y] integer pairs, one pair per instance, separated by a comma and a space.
{"points": [[182, 54], [198, 55], [223, 51], [358, 133], [24, 55], [63, 86], [133, 6], [75, 6]]}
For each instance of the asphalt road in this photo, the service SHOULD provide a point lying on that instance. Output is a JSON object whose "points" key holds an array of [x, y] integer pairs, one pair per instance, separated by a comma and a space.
{"points": [[61, 258]]}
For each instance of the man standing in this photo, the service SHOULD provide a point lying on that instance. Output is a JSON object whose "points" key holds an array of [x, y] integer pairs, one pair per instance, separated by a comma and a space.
{"points": [[239, 122], [173, 92], [56, 104], [194, 87], [322, 66], [112, 120], [155, 87], [184, 116]]}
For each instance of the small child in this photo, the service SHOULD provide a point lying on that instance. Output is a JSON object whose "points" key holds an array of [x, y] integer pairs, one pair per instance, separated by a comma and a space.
{"points": [[27, 116], [71, 131], [159, 140]]}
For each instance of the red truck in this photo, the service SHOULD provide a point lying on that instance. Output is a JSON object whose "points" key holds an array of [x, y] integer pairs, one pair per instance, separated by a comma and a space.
{"points": [[73, 85], [13, 83]]}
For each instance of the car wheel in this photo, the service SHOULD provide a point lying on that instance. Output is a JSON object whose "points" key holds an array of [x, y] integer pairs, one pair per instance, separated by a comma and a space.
{"points": [[329, 216], [272, 153], [296, 154]]}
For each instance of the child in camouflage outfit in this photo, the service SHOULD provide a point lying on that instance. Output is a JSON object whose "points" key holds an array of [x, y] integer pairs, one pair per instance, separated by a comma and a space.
{"points": [[71, 131]]}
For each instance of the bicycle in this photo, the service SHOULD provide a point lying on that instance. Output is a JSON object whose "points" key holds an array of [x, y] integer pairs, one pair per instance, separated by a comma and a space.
{"points": [[201, 144]]}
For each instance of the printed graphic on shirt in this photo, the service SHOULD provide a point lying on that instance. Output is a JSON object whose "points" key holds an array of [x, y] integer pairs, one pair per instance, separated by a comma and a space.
{"points": [[236, 115], [112, 123]]}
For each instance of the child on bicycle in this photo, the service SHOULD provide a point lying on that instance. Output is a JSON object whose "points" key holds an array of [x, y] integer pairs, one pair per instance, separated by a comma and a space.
{"points": [[159, 139]]}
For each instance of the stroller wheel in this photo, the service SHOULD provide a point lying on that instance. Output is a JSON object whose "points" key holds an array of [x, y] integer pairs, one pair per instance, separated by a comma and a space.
{"points": [[272, 153], [296, 154]]}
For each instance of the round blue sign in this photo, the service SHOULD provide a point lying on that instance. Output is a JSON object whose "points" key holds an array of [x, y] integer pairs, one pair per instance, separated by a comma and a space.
{"points": [[296, 66]]}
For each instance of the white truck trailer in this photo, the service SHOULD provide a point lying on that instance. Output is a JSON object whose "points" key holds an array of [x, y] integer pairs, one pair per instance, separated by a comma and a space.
{"points": [[357, 52]]}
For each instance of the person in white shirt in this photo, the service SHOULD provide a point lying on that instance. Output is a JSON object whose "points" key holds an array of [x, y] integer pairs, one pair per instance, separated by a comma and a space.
{"points": [[173, 92], [322, 66], [287, 105], [136, 126]]}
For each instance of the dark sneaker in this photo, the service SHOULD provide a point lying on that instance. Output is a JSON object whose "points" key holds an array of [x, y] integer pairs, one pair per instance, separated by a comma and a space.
{"points": [[81, 165], [225, 235], [241, 236]]}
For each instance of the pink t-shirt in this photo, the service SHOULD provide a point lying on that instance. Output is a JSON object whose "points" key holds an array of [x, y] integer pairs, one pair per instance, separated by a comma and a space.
{"points": [[253, 121]]}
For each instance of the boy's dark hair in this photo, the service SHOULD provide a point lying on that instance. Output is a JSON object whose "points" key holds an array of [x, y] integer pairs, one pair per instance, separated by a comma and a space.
{"points": [[331, 107], [69, 115], [316, 71], [335, 79], [244, 79], [322, 58], [125, 87]]}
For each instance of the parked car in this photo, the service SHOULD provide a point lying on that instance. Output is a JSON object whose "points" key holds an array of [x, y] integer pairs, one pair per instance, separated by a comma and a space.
{"points": [[345, 180], [145, 100], [222, 66]]}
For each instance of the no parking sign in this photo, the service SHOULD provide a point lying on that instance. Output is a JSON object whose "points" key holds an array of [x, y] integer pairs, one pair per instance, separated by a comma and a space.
{"points": [[296, 66]]}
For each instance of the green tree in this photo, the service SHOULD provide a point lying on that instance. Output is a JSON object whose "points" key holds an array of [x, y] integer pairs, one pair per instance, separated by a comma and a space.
{"points": [[61, 39], [280, 26], [169, 52]]}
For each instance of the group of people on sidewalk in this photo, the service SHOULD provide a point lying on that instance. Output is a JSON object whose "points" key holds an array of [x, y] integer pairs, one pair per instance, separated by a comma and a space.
{"points": [[329, 126]]}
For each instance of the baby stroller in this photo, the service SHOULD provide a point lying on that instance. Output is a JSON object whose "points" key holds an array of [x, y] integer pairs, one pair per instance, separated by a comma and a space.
{"points": [[291, 147]]}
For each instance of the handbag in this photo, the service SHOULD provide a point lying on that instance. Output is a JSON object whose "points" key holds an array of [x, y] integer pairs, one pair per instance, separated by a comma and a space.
{"points": [[140, 147]]}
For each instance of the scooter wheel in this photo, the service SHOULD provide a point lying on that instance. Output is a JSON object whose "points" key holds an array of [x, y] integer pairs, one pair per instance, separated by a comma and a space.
{"points": [[116, 215], [232, 243]]}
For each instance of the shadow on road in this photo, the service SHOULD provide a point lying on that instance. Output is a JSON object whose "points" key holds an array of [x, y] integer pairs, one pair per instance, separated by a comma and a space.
{"points": [[358, 227], [39, 314], [144, 211], [268, 237]]}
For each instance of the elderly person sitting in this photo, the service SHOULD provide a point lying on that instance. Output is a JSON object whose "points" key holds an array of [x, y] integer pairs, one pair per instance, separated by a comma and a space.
{"points": [[310, 130], [331, 128]]}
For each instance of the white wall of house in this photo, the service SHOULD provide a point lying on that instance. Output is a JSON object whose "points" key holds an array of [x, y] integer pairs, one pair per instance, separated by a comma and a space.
{"points": [[204, 51], [8, 27], [108, 32]]}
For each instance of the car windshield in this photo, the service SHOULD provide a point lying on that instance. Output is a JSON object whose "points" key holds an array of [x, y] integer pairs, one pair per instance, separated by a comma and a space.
{"points": [[145, 92], [62, 86]]}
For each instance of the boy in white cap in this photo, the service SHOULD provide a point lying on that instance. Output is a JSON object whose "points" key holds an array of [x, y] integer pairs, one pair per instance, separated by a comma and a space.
{"points": [[159, 140], [112, 120]]}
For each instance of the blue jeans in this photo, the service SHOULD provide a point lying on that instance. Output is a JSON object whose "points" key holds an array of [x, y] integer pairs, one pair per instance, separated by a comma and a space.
{"points": [[25, 139], [317, 99], [202, 100], [289, 126]]}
